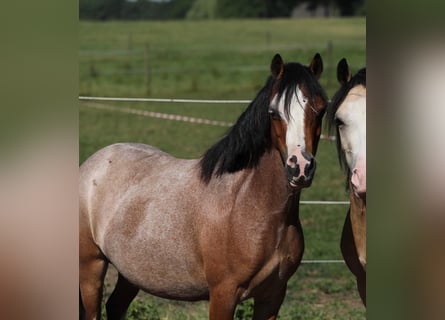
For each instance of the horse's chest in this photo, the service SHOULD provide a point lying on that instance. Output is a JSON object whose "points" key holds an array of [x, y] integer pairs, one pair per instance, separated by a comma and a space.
{"points": [[290, 252], [280, 265]]}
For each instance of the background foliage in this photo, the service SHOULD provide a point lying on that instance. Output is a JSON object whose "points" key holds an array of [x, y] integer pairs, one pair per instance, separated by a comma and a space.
{"points": [[207, 9]]}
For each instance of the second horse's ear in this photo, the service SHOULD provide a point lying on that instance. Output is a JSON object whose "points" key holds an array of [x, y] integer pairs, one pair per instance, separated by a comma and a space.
{"points": [[277, 66], [316, 66], [343, 73]]}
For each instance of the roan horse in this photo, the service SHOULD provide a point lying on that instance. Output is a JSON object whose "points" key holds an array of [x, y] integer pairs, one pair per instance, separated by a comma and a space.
{"points": [[347, 114], [224, 227]]}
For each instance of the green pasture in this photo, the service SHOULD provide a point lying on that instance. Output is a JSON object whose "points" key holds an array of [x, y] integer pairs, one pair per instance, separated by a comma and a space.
{"points": [[208, 59], [221, 60]]}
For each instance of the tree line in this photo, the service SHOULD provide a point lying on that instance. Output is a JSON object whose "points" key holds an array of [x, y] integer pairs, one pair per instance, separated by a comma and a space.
{"points": [[206, 9]]}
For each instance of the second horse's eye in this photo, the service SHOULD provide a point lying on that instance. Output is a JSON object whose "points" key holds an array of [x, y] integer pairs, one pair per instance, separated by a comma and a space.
{"points": [[338, 122], [274, 114]]}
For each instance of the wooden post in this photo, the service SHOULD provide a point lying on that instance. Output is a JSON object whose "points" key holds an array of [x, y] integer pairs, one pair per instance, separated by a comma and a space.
{"points": [[130, 50], [268, 39], [330, 64], [147, 70]]}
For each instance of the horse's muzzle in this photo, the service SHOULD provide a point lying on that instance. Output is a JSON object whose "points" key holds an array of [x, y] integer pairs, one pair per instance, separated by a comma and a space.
{"points": [[358, 179], [296, 177]]}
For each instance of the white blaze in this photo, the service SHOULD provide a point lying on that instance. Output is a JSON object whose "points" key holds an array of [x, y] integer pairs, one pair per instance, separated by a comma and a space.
{"points": [[295, 123]]}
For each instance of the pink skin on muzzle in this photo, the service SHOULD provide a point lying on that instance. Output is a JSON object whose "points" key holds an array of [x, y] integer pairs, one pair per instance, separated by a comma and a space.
{"points": [[300, 168], [358, 178]]}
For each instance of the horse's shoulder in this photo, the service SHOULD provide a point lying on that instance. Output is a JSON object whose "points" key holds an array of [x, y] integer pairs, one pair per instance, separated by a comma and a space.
{"points": [[132, 147], [130, 151], [123, 154]]}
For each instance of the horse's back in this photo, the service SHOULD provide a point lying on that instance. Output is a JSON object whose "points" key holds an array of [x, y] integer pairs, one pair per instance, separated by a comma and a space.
{"points": [[135, 200], [108, 172], [119, 154], [104, 177]]}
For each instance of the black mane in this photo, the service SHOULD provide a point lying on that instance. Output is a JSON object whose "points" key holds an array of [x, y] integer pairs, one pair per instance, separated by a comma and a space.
{"points": [[358, 79], [250, 137]]}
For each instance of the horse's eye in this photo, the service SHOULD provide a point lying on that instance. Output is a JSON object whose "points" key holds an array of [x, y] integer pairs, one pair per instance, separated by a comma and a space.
{"points": [[274, 114], [338, 122]]}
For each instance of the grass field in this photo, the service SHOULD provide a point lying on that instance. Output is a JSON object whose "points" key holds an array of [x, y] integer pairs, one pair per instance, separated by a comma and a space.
{"points": [[222, 60]]}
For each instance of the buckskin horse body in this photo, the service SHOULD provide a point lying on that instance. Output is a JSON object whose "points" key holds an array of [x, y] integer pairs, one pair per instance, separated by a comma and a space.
{"points": [[347, 114], [224, 227]]}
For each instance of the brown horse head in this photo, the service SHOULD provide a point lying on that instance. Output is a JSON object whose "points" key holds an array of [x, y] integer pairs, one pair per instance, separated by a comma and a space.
{"points": [[286, 115], [297, 106]]}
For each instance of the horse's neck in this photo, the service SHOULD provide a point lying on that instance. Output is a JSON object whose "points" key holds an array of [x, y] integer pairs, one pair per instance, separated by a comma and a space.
{"points": [[264, 186], [358, 205], [358, 224], [268, 183]]}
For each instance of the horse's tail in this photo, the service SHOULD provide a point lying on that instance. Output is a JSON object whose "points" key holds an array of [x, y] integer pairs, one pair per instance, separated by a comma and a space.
{"points": [[81, 308]]}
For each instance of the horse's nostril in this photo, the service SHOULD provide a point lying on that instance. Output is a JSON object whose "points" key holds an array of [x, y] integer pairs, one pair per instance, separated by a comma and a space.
{"points": [[293, 168], [309, 169]]}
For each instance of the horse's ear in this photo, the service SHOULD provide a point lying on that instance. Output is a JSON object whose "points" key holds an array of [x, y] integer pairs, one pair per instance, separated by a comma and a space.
{"points": [[316, 66], [343, 72], [277, 66]]}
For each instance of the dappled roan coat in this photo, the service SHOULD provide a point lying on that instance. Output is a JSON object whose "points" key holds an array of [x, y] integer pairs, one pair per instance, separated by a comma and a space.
{"points": [[224, 227]]}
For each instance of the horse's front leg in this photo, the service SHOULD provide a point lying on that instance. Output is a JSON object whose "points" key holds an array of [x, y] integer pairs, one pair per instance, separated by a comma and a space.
{"points": [[223, 301], [267, 308], [350, 256]]}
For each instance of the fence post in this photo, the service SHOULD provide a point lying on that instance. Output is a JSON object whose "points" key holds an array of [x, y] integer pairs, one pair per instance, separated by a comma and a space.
{"points": [[147, 70], [268, 39], [130, 51], [331, 67]]}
